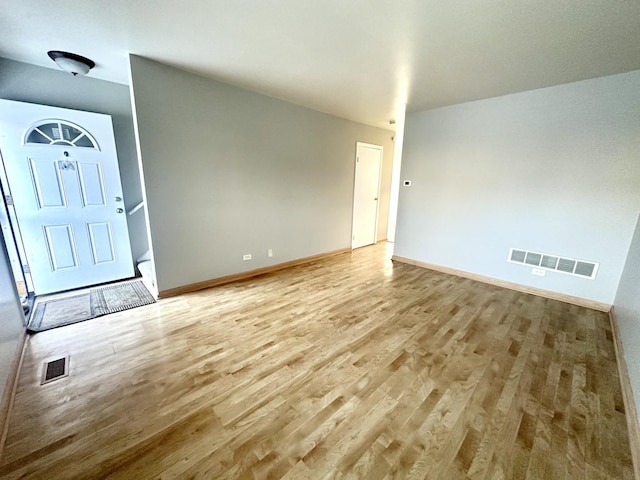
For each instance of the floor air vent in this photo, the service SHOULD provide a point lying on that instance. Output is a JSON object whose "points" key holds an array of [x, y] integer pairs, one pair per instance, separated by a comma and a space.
{"points": [[55, 370], [578, 268]]}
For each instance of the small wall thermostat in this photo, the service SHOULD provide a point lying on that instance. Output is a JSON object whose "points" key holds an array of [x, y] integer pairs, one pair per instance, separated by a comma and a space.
{"points": [[407, 183]]}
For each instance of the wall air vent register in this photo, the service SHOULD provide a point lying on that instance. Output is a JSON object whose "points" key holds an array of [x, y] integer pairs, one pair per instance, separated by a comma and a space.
{"points": [[555, 263]]}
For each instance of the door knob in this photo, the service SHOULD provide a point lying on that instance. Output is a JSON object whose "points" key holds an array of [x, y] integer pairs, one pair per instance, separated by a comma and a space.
{"points": [[376, 198], [119, 210]]}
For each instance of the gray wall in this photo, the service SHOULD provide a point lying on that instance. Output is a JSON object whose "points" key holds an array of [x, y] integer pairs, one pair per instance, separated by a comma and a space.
{"points": [[627, 306], [230, 172], [46, 86], [555, 170], [11, 319]]}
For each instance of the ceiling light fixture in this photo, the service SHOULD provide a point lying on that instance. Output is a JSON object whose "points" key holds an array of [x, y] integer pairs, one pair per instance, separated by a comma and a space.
{"points": [[72, 63]]}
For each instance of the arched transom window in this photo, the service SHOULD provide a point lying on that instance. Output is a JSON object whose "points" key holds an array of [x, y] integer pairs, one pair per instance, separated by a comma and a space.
{"points": [[59, 132]]}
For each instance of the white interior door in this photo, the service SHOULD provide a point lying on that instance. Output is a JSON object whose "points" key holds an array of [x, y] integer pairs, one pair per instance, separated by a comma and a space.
{"points": [[63, 175], [365, 194]]}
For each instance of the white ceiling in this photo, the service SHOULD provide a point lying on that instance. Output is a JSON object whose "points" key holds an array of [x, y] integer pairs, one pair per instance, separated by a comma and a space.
{"points": [[353, 58]]}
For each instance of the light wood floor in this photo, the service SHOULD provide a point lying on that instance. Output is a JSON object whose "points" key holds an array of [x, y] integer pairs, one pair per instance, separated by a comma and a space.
{"points": [[350, 367]]}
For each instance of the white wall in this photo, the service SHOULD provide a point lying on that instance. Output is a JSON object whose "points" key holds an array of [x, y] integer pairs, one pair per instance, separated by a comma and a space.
{"points": [[627, 307], [555, 170], [11, 319], [46, 86], [230, 172], [395, 173]]}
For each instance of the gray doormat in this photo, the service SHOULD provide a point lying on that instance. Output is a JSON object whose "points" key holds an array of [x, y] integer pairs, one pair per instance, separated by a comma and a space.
{"points": [[84, 306]]}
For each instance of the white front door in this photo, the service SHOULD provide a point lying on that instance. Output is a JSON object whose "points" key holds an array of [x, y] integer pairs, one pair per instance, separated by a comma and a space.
{"points": [[64, 181], [365, 195]]}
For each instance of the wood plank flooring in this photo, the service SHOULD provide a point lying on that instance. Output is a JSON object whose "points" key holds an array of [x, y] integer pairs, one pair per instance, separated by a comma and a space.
{"points": [[350, 367]]}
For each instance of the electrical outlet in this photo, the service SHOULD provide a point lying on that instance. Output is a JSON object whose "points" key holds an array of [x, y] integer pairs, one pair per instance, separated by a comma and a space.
{"points": [[539, 272], [246, 257], [270, 252]]}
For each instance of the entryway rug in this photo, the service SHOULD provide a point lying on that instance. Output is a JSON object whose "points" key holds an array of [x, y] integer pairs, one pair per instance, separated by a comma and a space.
{"points": [[84, 306]]}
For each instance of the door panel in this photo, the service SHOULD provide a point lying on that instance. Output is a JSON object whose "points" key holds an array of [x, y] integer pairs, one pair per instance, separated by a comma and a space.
{"points": [[91, 184], [61, 247], [366, 194], [101, 242], [47, 183], [68, 198]]}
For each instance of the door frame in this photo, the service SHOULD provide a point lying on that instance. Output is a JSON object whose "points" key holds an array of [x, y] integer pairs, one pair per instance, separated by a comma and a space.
{"points": [[355, 182], [15, 247]]}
